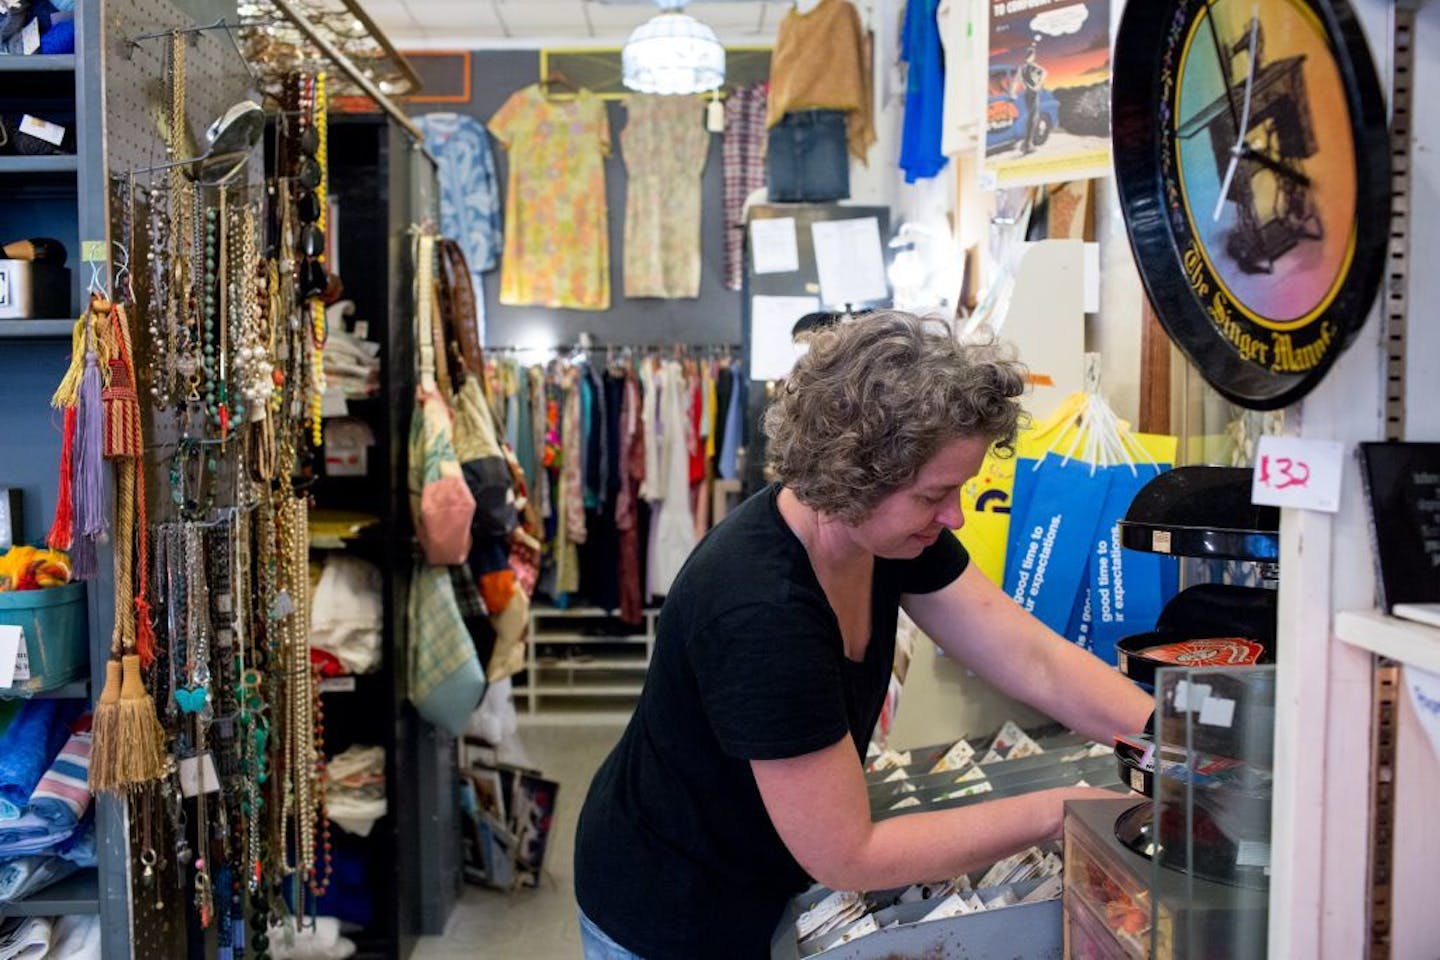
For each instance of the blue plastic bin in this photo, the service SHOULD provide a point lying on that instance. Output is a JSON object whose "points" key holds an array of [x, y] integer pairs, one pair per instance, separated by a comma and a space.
{"points": [[56, 635]]}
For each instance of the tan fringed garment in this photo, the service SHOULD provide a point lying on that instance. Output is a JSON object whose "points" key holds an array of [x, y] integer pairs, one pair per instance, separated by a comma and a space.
{"points": [[820, 63]]}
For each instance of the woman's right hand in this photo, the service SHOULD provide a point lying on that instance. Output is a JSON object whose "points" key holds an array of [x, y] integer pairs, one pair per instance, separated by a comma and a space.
{"points": [[1062, 794]]}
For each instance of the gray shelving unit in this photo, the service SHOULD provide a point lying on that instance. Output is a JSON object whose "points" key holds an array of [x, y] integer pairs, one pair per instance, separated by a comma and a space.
{"points": [[583, 665], [66, 197], [36, 329], [77, 893]]}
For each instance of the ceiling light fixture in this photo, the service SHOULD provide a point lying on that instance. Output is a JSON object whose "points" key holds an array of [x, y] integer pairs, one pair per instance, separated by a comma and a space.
{"points": [[672, 53]]}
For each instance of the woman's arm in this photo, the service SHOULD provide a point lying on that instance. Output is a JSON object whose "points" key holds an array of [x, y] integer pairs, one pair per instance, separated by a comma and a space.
{"points": [[973, 621], [820, 807]]}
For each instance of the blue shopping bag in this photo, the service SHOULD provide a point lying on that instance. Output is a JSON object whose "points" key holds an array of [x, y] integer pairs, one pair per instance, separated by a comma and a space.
{"points": [[1081, 620], [1056, 536], [1128, 588], [1021, 494]]}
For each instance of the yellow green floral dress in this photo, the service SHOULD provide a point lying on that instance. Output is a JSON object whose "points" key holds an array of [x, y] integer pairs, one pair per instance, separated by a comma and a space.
{"points": [[557, 251]]}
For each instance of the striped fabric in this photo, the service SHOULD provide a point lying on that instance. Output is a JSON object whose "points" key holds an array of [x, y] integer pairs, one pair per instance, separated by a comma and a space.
{"points": [[63, 794]]}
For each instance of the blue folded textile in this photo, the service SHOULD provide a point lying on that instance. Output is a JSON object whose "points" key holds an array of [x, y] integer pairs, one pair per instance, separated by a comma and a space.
{"points": [[32, 834], [28, 747], [79, 849], [23, 876]]}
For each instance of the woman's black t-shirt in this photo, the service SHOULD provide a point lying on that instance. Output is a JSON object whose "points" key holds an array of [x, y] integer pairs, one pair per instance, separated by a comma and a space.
{"points": [[676, 857]]}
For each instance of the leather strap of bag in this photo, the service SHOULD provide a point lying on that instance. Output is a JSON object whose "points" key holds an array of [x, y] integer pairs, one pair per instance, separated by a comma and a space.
{"points": [[462, 308]]}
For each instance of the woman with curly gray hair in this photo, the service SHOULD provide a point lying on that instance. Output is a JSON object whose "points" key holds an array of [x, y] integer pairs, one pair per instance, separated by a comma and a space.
{"points": [[739, 778]]}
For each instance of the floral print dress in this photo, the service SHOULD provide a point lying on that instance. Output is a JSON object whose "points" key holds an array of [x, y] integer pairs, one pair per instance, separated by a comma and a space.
{"points": [[557, 251], [665, 145]]}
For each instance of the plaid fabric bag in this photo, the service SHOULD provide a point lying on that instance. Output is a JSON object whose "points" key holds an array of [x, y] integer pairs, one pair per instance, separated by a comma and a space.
{"points": [[446, 680], [474, 613]]}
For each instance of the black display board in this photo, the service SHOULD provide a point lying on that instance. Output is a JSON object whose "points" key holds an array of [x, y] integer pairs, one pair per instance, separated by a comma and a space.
{"points": [[1402, 484], [803, 282]]}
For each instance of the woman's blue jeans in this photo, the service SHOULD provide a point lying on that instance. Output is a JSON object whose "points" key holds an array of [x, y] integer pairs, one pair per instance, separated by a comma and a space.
{"points": [[597, 946]]}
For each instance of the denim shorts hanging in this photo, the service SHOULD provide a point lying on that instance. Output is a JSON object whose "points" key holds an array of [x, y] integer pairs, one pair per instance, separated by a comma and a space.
{"points": [[807, 160]]}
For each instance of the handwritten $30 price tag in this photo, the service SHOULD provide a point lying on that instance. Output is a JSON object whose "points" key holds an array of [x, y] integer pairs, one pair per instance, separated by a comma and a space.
{"points": [[1290, 472]]}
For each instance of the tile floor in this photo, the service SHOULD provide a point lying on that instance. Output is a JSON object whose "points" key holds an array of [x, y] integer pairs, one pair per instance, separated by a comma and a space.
{"points": [[536, 924]]}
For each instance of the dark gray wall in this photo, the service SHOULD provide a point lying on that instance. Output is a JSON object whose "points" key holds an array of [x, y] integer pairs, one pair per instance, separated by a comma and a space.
{"points": [[712, 318]]}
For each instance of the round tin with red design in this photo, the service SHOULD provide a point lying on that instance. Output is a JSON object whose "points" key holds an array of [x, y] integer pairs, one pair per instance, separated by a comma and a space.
{"points": [[1139, 656]]}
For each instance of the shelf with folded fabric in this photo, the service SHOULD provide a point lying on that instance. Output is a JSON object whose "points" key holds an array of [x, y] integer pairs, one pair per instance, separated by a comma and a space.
{"points": [[38, 63], [36, 329], [77, 893], [76, 690], [631, 662]]}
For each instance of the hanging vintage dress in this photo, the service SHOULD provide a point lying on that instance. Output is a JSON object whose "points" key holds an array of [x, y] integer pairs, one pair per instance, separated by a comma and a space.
{"points": [[469, 193], [557, 249], [665, 144], [673, 536]]}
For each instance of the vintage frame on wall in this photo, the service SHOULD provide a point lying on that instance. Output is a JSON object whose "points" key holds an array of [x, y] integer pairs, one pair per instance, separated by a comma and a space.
{"points": [[444, 75], [598, 69], [1262, 252]]}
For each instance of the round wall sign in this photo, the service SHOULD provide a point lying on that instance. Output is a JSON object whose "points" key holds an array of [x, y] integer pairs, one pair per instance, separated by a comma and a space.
{"points": [[1252, 158]]}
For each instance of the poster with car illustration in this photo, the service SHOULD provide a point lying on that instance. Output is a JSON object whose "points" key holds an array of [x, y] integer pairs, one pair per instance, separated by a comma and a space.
{"points": [[1048, 105]]}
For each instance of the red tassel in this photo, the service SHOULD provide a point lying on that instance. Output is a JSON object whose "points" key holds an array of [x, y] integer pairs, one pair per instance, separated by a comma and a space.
{"points": [[62, 530], [145, 642]]}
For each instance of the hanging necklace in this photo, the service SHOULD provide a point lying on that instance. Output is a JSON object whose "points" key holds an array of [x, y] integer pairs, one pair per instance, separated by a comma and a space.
{"points": [[162, 354]]}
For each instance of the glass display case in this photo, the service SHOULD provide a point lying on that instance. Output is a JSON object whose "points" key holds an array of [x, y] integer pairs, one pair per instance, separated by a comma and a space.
{"points": [[1185, 875], [1215, 747]]}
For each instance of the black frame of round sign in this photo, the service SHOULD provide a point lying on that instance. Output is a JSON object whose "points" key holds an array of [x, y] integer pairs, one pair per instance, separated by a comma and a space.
{"points": [[1156, 229]]}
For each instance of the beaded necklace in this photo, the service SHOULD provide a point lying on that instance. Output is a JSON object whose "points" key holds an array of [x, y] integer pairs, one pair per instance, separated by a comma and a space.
{"points": [[319, 334]]}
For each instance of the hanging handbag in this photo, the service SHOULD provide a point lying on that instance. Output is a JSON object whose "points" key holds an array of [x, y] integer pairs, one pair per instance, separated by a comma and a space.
{"points": [[440, 501], [446, 681]]}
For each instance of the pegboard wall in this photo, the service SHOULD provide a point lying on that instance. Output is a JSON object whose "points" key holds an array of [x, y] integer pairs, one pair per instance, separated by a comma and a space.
{"points": [[136, 112], [137, 96]]}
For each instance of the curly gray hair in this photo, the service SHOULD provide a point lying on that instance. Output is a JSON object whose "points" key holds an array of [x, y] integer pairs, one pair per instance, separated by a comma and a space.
{"points": [[874, 399]]}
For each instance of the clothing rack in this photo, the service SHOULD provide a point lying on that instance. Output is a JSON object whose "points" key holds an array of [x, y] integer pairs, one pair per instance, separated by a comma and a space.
{"points": [[570, 348]]}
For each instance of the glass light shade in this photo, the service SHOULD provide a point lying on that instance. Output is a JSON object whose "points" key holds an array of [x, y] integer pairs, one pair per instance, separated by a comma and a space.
{"points": [[672, 53]]}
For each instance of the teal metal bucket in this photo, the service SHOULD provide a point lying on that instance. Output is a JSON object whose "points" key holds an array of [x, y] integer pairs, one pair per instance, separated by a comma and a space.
{"points": [[56, 635]]}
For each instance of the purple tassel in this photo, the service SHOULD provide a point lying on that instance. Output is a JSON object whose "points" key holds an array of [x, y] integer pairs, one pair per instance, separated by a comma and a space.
{"points": [[89, 482], [84, 559]]}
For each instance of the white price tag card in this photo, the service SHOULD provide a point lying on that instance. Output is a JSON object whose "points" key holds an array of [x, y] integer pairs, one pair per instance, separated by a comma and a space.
{"points": [[51, 133], [30, 37], [1190, 697], [197, 770], [1290, 472], [1217, 712], [12, 641]]}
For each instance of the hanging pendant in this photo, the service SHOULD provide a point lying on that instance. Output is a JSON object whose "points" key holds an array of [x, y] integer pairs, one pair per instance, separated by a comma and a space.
{"points": [[191, 699]]}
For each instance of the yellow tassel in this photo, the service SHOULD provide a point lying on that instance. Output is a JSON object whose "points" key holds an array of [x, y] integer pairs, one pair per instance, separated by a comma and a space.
{"points": [[105, 733], [141, 757], [68, 393]]}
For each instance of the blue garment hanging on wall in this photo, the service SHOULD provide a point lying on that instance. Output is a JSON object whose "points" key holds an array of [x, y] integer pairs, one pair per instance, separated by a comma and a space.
{"points": [[920, 153], [469, 193]]}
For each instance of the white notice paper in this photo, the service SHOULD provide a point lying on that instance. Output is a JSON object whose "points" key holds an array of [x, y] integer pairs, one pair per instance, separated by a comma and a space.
{"points": [[773, 248], [1290, 472], [12, 640], [772, 351], [1425, 695], [850, 260], [1217, 712]]}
